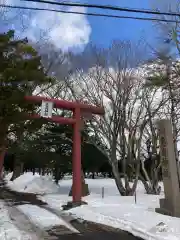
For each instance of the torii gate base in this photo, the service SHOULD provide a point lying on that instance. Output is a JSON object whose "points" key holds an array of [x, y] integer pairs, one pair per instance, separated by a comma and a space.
{"points": [[77, 108], [84, 186], [72, 204], [84, 192]]}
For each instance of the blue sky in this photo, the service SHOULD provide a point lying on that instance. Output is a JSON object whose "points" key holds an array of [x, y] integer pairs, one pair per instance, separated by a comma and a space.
{"points": [[68, 31], [106, 29]]}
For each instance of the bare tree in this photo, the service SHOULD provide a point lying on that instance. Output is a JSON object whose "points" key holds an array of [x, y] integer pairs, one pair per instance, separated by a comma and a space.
{"points": [[154, 103], [168, 32], [165, 76], [116, 83]]}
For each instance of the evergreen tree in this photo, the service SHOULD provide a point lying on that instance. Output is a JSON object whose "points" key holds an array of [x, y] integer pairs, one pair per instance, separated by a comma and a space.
{"points": [[21, 71]]}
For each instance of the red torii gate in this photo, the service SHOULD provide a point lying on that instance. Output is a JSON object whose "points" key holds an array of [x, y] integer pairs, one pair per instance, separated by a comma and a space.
{"points": [[78, 108]]}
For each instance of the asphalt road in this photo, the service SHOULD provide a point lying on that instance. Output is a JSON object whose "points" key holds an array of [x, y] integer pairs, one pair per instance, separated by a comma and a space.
{"points": [[99, 236]]}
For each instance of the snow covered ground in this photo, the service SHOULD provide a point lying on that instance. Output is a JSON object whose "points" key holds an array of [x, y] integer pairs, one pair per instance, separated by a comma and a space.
{"points": [[28, 223], [7, 228], [44, 219], [138, 218]]}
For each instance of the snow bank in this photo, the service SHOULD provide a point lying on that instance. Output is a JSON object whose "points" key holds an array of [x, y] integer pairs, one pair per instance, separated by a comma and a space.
{"points": [[134, 219], [23, 179], [33, 184]]}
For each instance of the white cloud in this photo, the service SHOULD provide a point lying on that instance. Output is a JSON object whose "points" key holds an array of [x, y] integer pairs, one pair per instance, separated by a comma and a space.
{"points": [[64, 31]]}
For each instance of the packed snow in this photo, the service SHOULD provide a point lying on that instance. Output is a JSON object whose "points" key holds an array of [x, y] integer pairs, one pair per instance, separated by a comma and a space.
{"points": [[7, 228], [44, 218], [138, 217]]}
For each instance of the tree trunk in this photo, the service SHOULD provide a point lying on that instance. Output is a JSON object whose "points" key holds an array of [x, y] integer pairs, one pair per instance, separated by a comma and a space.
{"points": [[34, 171], [22, 167], [57, 174], [154, 189], [43, 171], [151, 184], [118, 180], [3, 144], [17, 171], [2, 154]]}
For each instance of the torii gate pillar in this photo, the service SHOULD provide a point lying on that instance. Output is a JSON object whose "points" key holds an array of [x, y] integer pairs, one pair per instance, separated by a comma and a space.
{"points": [[76, 158]]}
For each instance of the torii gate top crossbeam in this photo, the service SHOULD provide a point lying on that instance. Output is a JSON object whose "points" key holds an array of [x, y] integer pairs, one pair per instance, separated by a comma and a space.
{"points": [[68, 105]]}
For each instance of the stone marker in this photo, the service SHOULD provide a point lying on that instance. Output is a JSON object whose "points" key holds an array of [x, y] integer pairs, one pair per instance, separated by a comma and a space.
{"points": [[170, 205]]}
